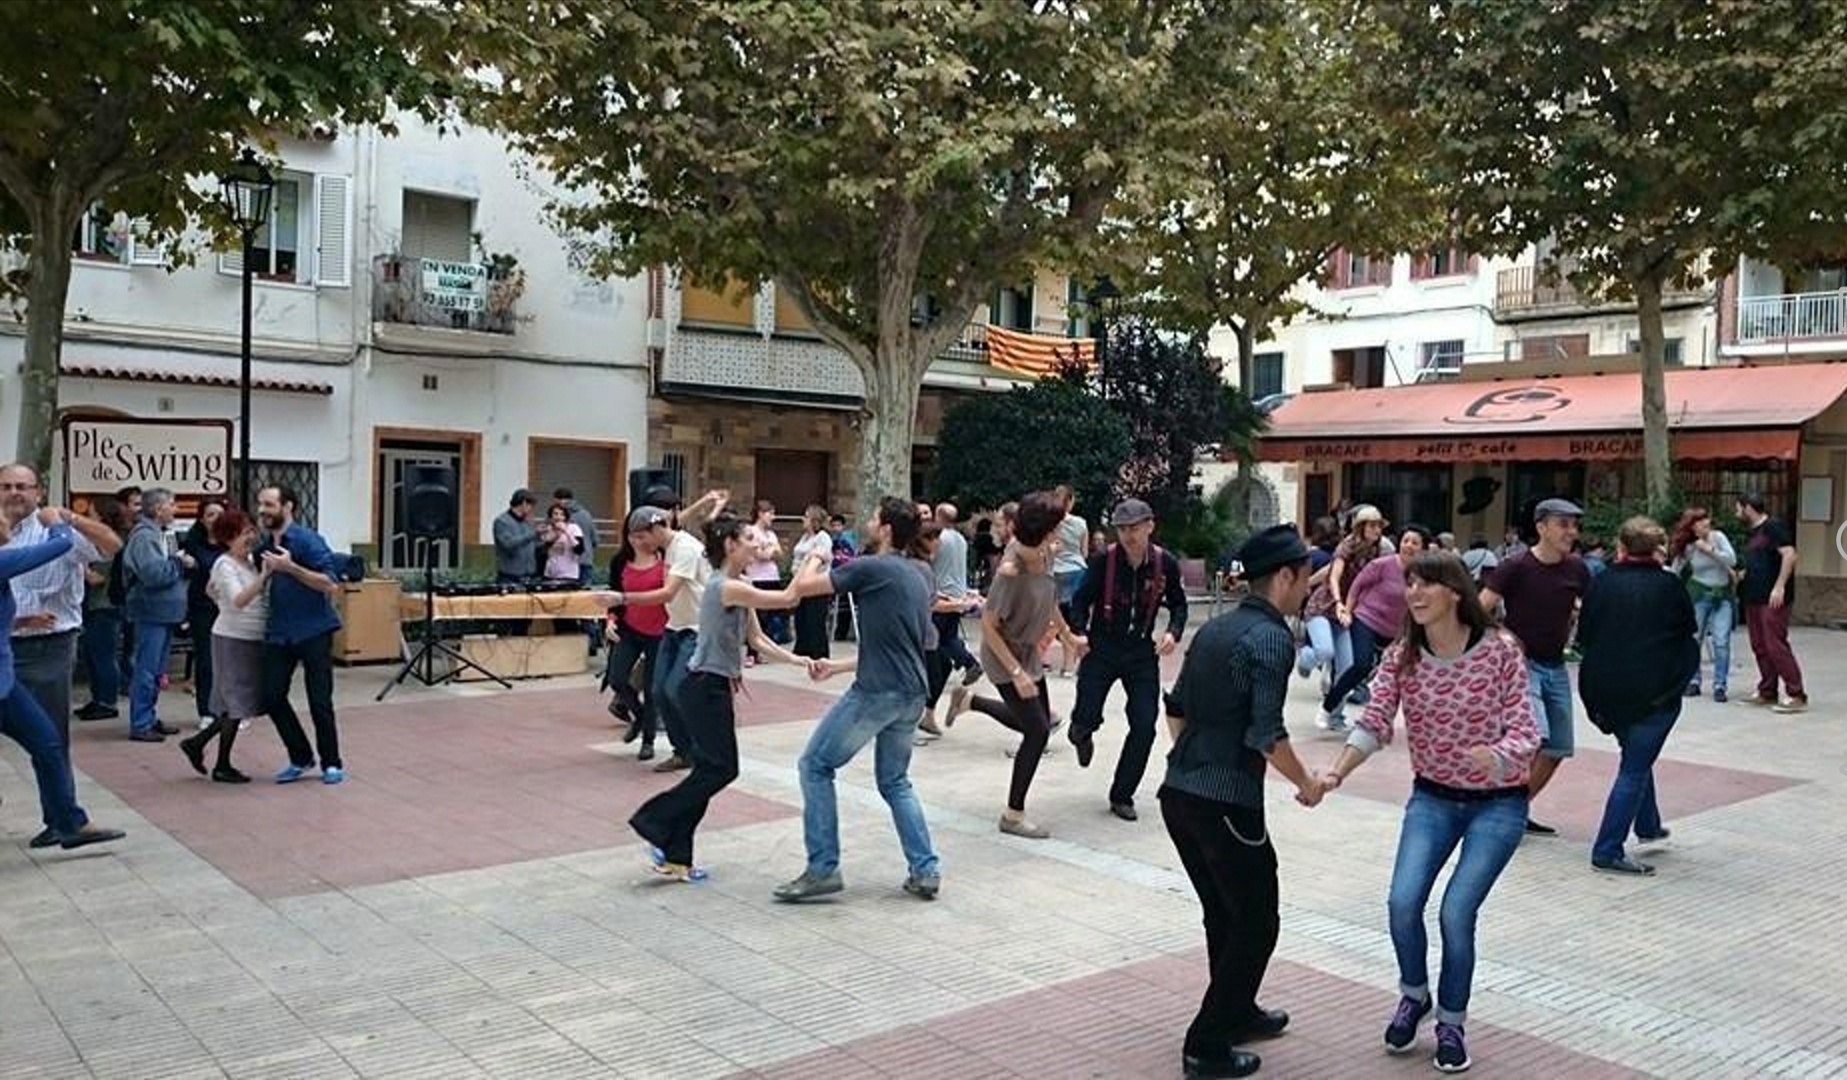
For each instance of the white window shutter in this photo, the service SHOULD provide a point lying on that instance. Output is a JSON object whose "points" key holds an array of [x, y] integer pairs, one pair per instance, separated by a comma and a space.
{"points": [[232, 262], [333, 214], [141, 251]]}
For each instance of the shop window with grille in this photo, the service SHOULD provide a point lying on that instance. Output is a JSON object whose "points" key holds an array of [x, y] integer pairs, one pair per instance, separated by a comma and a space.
{"points": [[1717, 486], [301, 477]]}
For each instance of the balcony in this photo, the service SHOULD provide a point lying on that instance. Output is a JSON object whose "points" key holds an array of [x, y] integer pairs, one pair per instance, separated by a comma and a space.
{"points": [[483, 298], [1522, 293], [1792, 317]]}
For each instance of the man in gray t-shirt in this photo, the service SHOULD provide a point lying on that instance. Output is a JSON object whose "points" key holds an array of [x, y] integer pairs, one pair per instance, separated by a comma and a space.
{"points": [[893, 597], [951, 654]]}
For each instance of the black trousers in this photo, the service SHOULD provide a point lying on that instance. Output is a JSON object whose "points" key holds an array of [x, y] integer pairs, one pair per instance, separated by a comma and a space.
{"points": [[631, 649], [1227, 854], [950, 655], [1132, 663], [315, 657], [669, 820], [199, 622], [1032, 718], [811, 627]]}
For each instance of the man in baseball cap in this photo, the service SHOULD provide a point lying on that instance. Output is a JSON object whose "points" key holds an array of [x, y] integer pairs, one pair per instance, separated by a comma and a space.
{"points": [[1125, 587]]}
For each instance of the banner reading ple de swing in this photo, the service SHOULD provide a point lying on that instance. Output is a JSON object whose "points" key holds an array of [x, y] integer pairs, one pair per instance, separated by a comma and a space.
{"points": [[187, 457]]}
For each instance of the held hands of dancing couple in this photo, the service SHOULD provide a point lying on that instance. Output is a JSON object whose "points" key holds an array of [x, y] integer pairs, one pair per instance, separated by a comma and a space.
{"points": [[1325, 783]]}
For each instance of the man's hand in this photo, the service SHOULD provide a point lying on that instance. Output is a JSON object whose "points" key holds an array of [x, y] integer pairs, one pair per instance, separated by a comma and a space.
{"points": [[278, 560], [1078, 645], [1166, 645], [1776, 598], [1312, 794], [44, 620], [186, 560], [819, 669], [1483, 758], [53, 515]]}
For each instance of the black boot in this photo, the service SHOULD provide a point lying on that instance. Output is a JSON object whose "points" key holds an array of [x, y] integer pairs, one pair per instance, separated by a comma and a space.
{"points": [[193, 746], [223, 772]]}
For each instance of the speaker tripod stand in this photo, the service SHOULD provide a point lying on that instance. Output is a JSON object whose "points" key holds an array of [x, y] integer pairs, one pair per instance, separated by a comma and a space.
{"points": [[422, 663]]}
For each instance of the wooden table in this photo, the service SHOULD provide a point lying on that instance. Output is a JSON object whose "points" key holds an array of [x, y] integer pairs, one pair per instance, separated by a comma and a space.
{"points": [[542, 652]]}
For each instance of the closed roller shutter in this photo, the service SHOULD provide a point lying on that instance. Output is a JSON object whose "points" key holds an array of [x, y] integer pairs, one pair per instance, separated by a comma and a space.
{"points": [[590, 473]]}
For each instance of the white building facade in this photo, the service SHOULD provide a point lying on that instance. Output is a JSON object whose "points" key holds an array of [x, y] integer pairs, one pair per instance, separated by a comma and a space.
{"points": [[411, 306]]}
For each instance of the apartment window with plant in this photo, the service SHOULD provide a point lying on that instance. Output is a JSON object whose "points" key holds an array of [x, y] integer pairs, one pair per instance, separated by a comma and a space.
{"points": [[1355, 270], [1266, 375], [110, 236]]}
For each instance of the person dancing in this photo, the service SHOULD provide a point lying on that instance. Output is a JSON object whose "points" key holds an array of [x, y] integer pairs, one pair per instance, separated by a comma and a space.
{"points": [[239, 592], [638, 569], [1022, 603], [1461, 686], [727, 622]]}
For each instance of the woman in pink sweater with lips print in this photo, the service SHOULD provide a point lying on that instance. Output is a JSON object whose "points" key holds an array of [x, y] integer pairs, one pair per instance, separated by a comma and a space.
{"points": [[1461, 684]]}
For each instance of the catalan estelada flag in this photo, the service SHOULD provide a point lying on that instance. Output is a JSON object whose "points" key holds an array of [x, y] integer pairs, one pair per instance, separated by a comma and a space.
{"points": [[1037, 355]]}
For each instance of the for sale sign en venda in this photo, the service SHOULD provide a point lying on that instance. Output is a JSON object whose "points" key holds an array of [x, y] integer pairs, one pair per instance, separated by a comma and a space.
{"points": [[187, 457]]}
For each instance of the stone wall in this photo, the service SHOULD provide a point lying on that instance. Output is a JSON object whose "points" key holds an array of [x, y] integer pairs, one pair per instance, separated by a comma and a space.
{"points": [[1820, 601]]}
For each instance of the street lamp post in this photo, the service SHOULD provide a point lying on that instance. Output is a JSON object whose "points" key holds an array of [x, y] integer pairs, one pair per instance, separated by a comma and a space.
{"points": [[245, 190], [1102, 298]]}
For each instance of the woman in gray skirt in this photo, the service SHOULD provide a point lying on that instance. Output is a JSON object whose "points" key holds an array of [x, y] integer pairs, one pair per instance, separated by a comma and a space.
{"points": [[240, 590]]}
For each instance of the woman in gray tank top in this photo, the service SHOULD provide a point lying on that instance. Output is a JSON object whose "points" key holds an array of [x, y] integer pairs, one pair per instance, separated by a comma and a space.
{"points": [[727, 622]]}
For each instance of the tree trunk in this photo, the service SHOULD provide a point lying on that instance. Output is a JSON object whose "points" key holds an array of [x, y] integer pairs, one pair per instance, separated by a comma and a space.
{"points": [[1246, 479], [1657, 454], [888, 424], [47, 288]]}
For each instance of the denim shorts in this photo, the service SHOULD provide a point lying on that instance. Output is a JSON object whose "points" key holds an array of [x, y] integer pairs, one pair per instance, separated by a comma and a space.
{"points": [[1548, 691]]}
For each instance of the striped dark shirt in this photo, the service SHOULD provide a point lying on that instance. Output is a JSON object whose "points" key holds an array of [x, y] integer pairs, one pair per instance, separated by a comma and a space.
{"points": [[1230, 693]]}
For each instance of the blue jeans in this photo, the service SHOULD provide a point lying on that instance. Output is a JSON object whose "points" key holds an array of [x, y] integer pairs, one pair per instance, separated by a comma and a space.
{"points": [[1632, 795], [665, 680], [99, 650], [1366, 645], [1548, 691], [1330, 643], [1716, 616], [24, 721], [152, 641], [1489, 830], [856, 719]]}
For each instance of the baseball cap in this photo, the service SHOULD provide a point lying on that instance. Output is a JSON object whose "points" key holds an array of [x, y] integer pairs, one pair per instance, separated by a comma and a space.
{"points": [[647, 517], [1556, 508], [1131, 512]]}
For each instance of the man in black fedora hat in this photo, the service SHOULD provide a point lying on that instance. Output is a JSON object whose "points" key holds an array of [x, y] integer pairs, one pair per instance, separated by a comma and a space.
{"points": [[1226, 713], [1125, 587]]}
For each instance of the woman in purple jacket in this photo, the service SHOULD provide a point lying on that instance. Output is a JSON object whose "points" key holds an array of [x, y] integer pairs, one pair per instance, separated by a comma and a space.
{"points": [[22, 719], [1373, 616]]}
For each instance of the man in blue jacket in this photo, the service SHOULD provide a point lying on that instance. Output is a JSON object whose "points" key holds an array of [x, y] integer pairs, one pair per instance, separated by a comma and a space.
{"points": [[302, 622], [156, 580]]}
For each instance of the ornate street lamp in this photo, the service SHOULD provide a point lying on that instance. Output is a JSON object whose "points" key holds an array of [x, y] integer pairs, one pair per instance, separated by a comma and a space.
{"points": [[1103, 299], [245, 190]]}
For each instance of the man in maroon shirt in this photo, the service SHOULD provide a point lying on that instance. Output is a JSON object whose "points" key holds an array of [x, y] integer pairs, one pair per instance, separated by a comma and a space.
{"points": [[1542, 588]]}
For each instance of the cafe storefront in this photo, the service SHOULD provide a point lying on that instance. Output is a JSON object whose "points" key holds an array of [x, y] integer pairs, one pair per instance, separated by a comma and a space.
{"points": [[1471, 456]]}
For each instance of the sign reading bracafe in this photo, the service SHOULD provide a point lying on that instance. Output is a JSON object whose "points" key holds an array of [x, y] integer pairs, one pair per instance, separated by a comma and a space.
{"points": [[187, 457]]}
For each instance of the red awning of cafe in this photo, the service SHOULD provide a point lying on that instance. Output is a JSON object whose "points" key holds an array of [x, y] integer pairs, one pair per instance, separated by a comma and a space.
{"points": [[1714, 413]]}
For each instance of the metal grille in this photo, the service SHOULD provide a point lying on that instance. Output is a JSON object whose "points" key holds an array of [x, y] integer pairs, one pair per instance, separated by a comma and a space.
{"points": [[301, 477], [1718, 487], [675, 464]]}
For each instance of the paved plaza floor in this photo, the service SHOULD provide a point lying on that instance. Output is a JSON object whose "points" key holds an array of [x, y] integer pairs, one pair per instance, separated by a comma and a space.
{"points": [[470, 903]]}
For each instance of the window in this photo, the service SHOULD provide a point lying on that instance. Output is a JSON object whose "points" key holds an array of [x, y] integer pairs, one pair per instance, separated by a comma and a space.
{"points": [[301, 477], [1441, 262], [592, 470], [1353, 270], [110, 236], [793, 479], [306, 239], [673, 463], [1266, 375], [1549, 347], [1675, 352], [1077, 309], [1362, 369], [925, 310], [438, 227], [1439, 357], [1013, 309]]}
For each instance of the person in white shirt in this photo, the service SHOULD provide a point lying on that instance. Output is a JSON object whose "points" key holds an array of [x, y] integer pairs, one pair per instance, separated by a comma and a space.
{"points": [[811, 613], [49, 600], [241, 591]]}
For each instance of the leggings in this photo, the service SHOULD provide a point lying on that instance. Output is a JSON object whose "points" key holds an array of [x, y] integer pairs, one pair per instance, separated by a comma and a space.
{"points": [[1032, 718], [633, 648]]}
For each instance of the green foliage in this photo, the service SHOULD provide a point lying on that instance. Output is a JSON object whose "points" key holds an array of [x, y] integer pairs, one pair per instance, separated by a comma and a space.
{"points": [[131, 101], [1276, 155], [1208, 529], [1653, 141], [996, 447], [1603, 518], [859, 154]]}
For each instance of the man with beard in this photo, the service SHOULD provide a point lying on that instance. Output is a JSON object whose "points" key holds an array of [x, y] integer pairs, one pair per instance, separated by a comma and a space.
{"points": [[49, 603], [302, 622]]}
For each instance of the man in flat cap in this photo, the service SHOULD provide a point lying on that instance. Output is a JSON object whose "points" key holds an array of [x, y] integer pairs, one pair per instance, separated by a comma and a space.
{"points": [[1125, 587]]}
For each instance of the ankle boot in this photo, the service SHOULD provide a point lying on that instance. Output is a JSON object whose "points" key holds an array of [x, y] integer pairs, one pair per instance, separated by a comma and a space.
{"points": [[193, 746], [223, 772]]}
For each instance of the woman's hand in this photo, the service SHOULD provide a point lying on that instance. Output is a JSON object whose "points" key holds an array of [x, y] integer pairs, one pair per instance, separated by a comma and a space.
{"points": [[1482, 757], [1024, 685]]}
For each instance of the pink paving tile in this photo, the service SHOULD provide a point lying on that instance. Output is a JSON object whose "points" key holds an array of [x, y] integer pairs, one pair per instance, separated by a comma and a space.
{"points": [[437, 784], [1573, 802], [1128, 1022]]}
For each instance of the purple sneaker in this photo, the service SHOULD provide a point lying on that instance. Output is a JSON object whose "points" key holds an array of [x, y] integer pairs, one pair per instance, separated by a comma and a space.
{"points": [[1452, 1052], [1401, 1033]]}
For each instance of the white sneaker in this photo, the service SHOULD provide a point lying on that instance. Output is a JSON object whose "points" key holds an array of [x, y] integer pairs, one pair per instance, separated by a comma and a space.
{"points": [[1328, 721]]}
